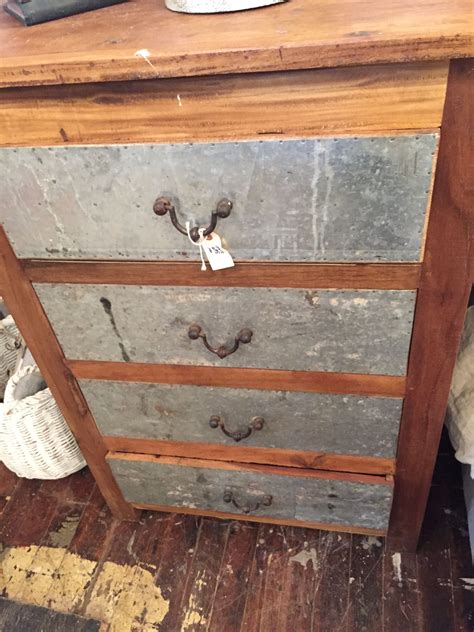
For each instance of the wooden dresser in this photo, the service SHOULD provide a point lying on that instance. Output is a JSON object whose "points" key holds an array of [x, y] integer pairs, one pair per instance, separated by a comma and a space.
{"points": [[330, 145]]}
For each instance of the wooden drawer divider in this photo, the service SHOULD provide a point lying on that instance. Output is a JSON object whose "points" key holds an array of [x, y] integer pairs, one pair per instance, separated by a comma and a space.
{"points": [[377, 466], [377, 276], [268, 379]]}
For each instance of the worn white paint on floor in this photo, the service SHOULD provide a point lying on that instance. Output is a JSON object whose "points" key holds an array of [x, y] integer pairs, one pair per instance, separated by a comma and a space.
{"points": [[371, 541], [194, 615], [124, 596], [305, 556], [397, 567], [468, 583]]}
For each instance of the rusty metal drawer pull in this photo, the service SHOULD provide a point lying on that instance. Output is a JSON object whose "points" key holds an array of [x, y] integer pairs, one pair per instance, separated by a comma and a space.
{"points": [[244, 336], [164, 205], [257, 423], [266, 501]]}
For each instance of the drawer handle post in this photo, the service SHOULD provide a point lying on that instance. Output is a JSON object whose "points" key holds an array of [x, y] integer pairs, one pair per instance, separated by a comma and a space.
{"points": [[164, 205], [229, 497], [244, 336], [257, 423]]}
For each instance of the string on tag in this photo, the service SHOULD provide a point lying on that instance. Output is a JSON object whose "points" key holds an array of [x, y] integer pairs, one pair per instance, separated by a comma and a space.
{"points": [[197, 243]]}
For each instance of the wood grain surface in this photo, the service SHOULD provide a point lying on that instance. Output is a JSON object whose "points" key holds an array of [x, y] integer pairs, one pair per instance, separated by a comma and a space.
{"points": [[354, 477], [359, 384], [377, 276], [268, 456], [23, 618], [36, 330], [446, 282], [103, 45], [277, 522], [341, 101], [170, 569]]}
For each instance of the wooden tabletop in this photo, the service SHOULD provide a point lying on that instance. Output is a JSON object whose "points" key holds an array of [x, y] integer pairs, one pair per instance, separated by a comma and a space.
{"points": [[102, 45]]}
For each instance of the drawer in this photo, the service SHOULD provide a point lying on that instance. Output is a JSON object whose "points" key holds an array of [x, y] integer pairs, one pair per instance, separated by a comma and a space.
{"points": [[340, 424], [365, 331], [272, 493], [329, 199]]}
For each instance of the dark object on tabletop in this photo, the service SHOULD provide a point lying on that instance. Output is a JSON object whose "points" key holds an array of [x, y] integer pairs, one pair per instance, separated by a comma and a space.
{"points": [[36, 11]]}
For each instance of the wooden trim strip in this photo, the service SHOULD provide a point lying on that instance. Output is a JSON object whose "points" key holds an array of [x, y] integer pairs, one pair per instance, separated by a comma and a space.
{"points": [[252, 467], [269, 456], [278, 521], [440, 310], [383, 276], [266, 379], [28, 313], [3, 281], [391, 99]]}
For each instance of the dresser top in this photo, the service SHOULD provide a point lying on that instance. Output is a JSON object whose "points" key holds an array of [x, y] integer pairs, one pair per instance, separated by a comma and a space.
{"points": [[104, 45]]}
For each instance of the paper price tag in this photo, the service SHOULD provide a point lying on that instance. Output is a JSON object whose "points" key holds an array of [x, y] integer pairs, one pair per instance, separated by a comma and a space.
{"points": [[218, 257]]}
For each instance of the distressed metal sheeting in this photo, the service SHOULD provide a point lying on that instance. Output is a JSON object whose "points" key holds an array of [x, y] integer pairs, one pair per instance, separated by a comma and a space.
{"points": [[347, 199], [296, 498], [341, 424], [363, 331]]}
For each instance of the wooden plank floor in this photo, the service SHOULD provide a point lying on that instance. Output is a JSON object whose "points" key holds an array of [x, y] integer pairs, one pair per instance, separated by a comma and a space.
{"points": [[61, 548], [19, 617]]}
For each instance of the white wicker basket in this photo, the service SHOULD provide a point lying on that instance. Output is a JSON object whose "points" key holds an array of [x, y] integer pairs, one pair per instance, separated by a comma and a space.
{"points": [[11, 346], [35, 440]]}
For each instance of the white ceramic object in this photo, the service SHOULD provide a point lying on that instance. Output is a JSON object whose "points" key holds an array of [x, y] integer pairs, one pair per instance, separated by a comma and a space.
{"points": [[216, 6]]}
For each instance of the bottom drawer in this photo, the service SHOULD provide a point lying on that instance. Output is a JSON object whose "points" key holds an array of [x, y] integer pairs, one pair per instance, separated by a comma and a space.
{"points": [[350, 501]]}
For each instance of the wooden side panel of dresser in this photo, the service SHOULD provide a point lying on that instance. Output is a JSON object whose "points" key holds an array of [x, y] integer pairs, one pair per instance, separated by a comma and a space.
{"points": [[320, 198]]}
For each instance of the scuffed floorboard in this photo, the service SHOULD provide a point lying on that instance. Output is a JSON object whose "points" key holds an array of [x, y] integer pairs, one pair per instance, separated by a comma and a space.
{"points": [[18, 617], [62, 549]]}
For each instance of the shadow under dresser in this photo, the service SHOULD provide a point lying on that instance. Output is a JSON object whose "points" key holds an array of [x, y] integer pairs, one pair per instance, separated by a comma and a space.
{"points": [[304, 386]]}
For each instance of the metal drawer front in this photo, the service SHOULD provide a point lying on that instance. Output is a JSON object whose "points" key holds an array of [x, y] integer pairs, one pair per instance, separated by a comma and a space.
{"points": [[365, 331], [348, 199], [271, 495], [340, 424]]}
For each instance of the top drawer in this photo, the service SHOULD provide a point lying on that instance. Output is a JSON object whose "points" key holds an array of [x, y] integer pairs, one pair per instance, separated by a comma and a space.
{"points": [[348, 199]]}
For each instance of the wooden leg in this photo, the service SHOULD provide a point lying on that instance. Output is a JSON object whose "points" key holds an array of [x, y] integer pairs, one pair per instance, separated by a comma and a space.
{"points": [[28, 313], [446, 279]]}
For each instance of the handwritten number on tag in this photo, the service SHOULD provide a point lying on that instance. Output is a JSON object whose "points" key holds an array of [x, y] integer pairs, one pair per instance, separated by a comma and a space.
{"points": [[218, 257]]}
